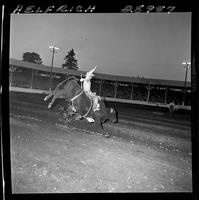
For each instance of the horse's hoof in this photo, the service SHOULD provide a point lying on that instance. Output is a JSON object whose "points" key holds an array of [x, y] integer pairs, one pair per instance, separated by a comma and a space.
{"points": [[106, 135], [59, 107], [45, 99], [49, 106]]}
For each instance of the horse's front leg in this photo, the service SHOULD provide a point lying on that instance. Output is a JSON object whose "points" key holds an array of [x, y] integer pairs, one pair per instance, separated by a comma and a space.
{"points": [[52, 101], [48, 96]]}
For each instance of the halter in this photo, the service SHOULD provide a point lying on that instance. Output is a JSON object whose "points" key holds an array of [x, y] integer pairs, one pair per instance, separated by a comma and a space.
{"points": [[75, 97]]}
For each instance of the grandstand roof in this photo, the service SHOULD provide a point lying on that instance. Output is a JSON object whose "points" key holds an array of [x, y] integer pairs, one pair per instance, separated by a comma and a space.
{"points": [[160, 82]]}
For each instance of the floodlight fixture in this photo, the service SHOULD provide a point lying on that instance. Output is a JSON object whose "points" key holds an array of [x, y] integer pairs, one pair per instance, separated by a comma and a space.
{"points": [[187, 64], [54, 47]]}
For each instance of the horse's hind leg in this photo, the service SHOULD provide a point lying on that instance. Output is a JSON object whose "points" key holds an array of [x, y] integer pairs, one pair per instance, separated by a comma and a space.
{"points": [[99, 126]]}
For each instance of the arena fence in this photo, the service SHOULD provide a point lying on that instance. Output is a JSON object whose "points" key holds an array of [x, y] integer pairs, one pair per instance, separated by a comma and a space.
{"points": [[138, 90]]}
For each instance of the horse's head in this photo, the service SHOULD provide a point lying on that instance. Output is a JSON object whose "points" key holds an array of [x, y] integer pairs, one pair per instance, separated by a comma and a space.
{"points": [[112, 115]]}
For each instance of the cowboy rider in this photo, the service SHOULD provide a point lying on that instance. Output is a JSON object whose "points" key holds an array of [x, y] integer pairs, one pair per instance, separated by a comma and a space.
{"points": [[87, 88]]}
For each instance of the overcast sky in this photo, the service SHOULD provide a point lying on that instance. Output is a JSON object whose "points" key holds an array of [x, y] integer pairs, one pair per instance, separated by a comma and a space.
{"points": [[149, 45]]}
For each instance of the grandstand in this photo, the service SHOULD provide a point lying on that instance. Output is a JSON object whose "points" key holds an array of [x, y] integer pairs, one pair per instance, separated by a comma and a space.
{"points": [[115, 88]]}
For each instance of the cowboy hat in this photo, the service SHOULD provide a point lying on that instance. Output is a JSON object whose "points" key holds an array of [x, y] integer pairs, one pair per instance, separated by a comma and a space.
{"points": [[89, 73]]}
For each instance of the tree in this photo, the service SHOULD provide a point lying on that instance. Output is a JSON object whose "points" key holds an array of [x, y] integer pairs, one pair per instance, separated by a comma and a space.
{"points": [[70, 61], [32, 57]]}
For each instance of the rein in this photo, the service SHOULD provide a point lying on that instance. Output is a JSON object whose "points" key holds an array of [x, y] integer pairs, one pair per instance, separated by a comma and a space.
{"points": [[75, 97]]}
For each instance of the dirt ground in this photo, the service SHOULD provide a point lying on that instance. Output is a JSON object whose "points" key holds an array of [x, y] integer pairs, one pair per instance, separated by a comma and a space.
{"points": [[49, 157], [142, 154]]}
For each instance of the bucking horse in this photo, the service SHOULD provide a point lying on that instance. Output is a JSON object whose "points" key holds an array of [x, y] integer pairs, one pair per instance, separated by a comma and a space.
{"points": [[79, 102]]}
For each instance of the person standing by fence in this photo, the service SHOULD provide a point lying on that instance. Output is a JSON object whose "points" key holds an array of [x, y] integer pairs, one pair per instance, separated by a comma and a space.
{"points": [[171, 108]]}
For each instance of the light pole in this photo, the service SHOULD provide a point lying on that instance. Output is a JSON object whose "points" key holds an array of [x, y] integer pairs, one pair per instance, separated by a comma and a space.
{"points": [[11, 69], [187, 65], [54, 48]]}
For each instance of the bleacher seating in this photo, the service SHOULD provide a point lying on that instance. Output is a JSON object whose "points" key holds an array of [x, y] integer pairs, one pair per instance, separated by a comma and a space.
{"points": [[38, 79]]}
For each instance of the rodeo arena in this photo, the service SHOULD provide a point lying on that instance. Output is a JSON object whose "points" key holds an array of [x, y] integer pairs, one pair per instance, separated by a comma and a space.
{"points": [[74, 131]]}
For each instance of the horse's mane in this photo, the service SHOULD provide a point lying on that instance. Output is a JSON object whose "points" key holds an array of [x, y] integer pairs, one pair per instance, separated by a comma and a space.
{"points": [[67, 81], [74, 81]]}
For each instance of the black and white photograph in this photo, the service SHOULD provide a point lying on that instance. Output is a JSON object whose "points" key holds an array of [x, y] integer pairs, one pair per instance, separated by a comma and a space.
{"points": [[100, 102]]}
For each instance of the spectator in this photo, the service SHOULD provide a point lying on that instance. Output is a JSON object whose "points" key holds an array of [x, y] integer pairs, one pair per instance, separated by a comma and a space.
{"points": [[171, 108]]}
